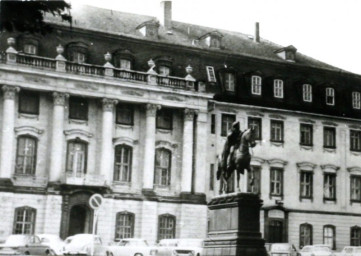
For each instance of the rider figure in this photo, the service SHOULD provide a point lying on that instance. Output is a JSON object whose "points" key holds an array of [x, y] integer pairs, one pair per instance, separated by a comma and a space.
{"points": [[232, 139]]}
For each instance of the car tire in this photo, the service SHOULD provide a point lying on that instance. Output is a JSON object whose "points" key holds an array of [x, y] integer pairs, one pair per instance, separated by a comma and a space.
{"points": [[138, 254], [27, 253]]}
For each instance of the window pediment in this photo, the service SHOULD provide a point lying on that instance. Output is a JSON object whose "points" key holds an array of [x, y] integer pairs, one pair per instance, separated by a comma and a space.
{"points": [[277, 162], [33, 131], [125, 140], [166, 144], [307, 121], [329, 168], [77, 133], [306, 166], [257, 161], [354, 170], [326, 123], [279, 117]]}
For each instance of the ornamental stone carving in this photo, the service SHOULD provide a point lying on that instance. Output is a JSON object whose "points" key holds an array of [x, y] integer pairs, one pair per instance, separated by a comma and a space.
{"points": [[59, 98], [10, 92], [108, 104], [152, 109], [189, 114]]}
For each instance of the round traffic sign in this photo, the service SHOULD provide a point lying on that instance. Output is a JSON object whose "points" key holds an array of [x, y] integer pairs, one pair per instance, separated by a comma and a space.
{"points": [[95, 201]]}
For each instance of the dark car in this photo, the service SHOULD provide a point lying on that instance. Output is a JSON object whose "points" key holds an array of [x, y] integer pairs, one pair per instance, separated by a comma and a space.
{"points": [[25, 245]]}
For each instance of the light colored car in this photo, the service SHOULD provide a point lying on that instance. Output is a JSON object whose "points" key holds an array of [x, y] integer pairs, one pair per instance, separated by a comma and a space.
{"points": [[53, 241], [81, 244], [131, 247], [180, 247], [351, 251], [316, 250], [284, 249], [25, 245]]}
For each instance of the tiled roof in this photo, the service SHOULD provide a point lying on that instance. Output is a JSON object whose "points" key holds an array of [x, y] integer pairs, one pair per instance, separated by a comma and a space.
{"points": [[121, 23]]}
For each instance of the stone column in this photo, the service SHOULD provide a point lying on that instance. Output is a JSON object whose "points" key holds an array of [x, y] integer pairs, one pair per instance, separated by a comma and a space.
{"points": [[187, 151], [57, 139], [201, 163], [7, 143], [107, 137], [149, 148]]}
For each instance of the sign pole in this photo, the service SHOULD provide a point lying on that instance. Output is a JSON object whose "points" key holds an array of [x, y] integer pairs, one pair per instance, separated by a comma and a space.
{"points": [[95, 202], [95, 219]]}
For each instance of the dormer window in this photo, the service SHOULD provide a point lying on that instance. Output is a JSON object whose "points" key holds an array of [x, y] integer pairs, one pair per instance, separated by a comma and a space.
{"points": [[77, 57], [229, 82], [307, 92], [30, 49], [256, 84], [164, 70], [212, 39], [330, 96], [287, 53], [77, 52], [125, 64], [123, 59], [149, 29], [356, 100], [278, 88]]}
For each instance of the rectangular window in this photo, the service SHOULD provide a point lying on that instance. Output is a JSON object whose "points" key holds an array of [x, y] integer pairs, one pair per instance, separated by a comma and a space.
{"points": [[305, 235], [124, 226], [330, 96], [166, 227], [306, 135], [278, 88], [211, 177], [356, 188], [256, 123], [26, 156], [125, 114], [164, 70], [256, 84], [329, 236], [213, 124], [211, 74], [229, 82], [77, 57], [78, 108], [276, 182], [29, 102], [355, 236], [125, 64], [276, 131], [254, 180], [165, 119], [307, 92], [227, 121], [24, 220], [329, 186], [30, 49], [122, 163], [355, 140], [306, 184], [356, 100], [76, 158], [162, 167], [329, 137]]}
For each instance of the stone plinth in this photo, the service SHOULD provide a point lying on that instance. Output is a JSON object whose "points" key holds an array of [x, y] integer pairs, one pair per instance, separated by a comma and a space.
{"points": [[234, 228]]}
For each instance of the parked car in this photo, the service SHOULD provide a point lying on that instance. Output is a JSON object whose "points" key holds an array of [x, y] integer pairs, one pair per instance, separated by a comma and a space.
{"points": [[81, 244], [316, 250], [25, 245], [53, 241], [351, 251], [131, 247], [284, 249], [180, 247]]}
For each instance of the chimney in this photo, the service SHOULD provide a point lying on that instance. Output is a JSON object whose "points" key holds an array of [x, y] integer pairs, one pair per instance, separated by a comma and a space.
{"points": [[256, 33], [166, 14]]}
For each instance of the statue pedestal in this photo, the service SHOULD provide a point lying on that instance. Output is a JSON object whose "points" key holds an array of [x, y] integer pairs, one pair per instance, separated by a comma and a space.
{"points": [[234, 228]]}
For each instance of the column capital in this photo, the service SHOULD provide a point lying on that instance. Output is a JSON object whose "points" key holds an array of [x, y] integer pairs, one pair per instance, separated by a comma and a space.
{"points": [[108, 104], [59, 98], [189, 114], [152, 109], [10, 91]]}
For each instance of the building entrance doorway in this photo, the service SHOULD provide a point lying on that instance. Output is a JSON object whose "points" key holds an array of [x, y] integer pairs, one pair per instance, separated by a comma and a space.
{"points": [[79, 220], [275, 230]]}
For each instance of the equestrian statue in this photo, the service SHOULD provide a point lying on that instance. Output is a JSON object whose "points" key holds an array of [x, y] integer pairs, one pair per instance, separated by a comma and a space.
{"points": [[235, 155]]}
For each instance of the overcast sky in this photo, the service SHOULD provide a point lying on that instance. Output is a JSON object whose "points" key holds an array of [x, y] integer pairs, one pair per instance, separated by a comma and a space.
{"points": [[327, 30]]}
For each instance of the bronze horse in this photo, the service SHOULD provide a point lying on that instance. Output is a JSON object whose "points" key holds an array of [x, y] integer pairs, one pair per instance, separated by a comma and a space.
{"points": [[239, 160]]}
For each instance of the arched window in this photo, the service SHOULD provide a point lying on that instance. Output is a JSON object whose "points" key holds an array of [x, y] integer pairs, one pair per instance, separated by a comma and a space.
{"points": [[305, 234], [76, 158], [307, 92], [330, 96], [278, 88], [26, 155], [256, 85], [166, 226], [124, 225], [329, 236], [162, 167], [356, 100], [123, 163], [355, 236], [24, 220]]}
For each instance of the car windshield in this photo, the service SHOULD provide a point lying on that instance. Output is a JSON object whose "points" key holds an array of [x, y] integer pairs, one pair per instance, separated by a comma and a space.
{"points": [[50, 239], [81, 240], [133, 243], [280, 247], [321, 249], [192, 243], [16, 240]]}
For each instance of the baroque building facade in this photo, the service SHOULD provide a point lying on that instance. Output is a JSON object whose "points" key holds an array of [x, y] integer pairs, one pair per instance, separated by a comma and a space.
{"points": [[138, 110]]}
